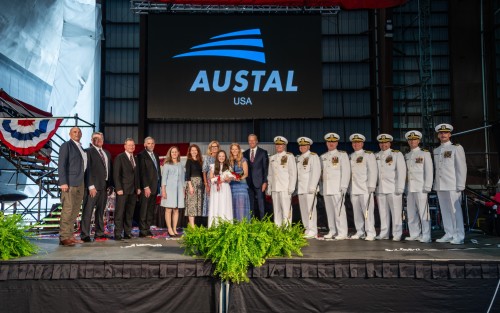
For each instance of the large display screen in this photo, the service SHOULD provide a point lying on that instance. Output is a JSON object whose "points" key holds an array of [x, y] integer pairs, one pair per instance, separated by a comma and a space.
{"points": [[234, 67]]}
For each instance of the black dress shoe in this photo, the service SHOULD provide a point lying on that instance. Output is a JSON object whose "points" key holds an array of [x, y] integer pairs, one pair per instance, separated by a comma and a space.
{"points": [[127, 237], [118, 238], [86, 239]]}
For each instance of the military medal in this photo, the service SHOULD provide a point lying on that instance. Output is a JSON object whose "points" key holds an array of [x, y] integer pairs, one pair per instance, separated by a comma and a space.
{"points": [[388, 160], [359, 159], [335, 161], [447, 154], [283, 160], [419, 160], [305, 162]]}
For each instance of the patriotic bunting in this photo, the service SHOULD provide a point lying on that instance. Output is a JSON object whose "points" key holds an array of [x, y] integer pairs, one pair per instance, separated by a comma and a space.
{"points": [[27, 135]]}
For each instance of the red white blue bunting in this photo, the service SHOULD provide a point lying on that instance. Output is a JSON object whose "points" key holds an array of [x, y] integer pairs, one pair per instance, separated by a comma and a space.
{"points": [[27, 135]]}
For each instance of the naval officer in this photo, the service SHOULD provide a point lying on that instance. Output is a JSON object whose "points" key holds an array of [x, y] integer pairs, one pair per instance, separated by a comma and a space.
{"points": [[419, 165], [362, 187], [281, 179], [336, 174], [391, 184], [449, 182], [308, 175]]}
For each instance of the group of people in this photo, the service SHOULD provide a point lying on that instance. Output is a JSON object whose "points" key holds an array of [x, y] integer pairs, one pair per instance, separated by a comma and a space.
{"points": [[366, 176], [227, 187]]}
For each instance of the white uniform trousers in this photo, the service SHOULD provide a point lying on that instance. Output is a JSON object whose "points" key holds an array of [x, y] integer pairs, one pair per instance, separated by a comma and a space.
{"points": [[306, 204], [282, 207], [337, 218], [451, 211], [390, 206], [419, 220], [359, 209]]}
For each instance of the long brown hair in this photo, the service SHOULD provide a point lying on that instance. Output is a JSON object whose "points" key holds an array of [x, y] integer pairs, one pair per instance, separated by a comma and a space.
{"points": [[168, 157], [225, 165], [199, 157]]}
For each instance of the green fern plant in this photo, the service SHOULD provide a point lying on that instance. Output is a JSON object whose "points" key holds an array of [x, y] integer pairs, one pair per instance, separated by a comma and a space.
{"points": [[235, 246], [14, 237]]}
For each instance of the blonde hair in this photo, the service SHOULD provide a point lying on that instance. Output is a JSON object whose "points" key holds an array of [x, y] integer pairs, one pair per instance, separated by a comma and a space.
{"points": [[238, 158], [209, 152]]}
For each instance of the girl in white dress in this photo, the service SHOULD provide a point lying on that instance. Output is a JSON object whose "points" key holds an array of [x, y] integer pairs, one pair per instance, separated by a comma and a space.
{"points": [[221, 202]]}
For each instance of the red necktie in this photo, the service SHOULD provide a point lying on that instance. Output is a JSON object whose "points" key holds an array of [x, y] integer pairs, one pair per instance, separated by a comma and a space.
{"points": [[252, 156]]}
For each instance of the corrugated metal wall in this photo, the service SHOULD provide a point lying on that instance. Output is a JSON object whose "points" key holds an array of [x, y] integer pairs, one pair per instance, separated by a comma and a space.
{"points": [[406, 70], [347, 85]]}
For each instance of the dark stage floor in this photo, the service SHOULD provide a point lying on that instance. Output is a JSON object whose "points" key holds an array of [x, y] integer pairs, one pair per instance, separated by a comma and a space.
{"points": [[477, 247]]}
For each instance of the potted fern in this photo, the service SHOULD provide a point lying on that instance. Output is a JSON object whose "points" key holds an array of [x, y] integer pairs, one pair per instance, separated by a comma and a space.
{"points": [[14, 237]]}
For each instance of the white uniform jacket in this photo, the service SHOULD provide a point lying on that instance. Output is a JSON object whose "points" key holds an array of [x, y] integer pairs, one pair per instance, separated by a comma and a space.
{"points": [[336, 172], [282, 174], [451, 168], [363, 172], [308, 172], [419, 165], [391, 171]]}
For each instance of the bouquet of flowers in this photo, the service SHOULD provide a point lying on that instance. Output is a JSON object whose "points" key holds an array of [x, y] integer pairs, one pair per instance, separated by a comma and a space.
{"points": [[219, 179]]}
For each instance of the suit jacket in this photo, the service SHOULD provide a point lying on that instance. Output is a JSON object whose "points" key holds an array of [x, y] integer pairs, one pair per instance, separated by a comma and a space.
{"points": [[70, 166], [258, 169], [125, 177], [149, 173], [96, 170]]}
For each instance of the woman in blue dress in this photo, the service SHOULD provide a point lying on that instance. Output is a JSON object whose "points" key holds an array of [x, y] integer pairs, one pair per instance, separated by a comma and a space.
{"points": [[239, 187], [209, 159], [172, 189]]}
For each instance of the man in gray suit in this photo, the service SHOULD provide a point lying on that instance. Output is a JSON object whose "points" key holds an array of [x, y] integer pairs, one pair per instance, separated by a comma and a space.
{"points": [[72, 166]]}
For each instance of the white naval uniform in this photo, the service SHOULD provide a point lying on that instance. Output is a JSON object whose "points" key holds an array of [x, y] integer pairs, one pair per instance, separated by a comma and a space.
{"points": [[308, 175], [449, 182], [363, 178], [419, 165], [336, 177], [391, 183], [281, 181]]}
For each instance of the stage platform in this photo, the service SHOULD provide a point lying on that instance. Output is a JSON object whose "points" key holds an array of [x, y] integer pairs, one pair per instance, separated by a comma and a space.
{"points": [[331, 276]]}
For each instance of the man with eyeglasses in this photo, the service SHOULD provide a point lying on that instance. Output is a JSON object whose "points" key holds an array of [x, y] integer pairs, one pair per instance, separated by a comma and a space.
{"points": [[98, 180]]}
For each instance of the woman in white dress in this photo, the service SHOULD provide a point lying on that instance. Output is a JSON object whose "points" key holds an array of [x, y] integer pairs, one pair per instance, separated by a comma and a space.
{"points": [[221, 202], [172, 189]]}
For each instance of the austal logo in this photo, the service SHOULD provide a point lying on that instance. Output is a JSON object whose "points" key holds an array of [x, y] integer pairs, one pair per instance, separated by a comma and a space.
{"points": [[237, 45], [230, 42]]}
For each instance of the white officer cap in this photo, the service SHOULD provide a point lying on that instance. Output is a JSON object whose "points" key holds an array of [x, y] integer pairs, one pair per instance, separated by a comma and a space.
{"points": [[444, 128], [384, 138], [357, 138], [304, 141], [332, 137], [280, 140], [413, 134]]}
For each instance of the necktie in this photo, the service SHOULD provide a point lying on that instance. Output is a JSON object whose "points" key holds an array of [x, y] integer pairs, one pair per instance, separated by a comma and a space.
{"points": [[132, 161], [102, 157], [154, 159], [252, 156]]}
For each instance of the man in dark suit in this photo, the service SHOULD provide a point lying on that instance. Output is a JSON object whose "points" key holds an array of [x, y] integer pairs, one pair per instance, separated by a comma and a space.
{"points": [[149, 168], [126, 180], [257, 175], [97, 182], [71, 167]]}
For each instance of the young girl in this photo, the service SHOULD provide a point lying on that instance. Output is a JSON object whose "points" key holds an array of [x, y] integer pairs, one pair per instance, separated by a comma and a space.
{"points": [[239, 187], [172, 189], [221, 206]]}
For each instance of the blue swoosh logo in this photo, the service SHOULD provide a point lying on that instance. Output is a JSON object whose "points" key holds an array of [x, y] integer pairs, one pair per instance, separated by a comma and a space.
{"points": [[231, 47]]}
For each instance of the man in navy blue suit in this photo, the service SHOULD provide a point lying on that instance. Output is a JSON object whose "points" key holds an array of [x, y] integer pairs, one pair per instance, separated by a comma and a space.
{"points": [[258, 161], [72, 165]]}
